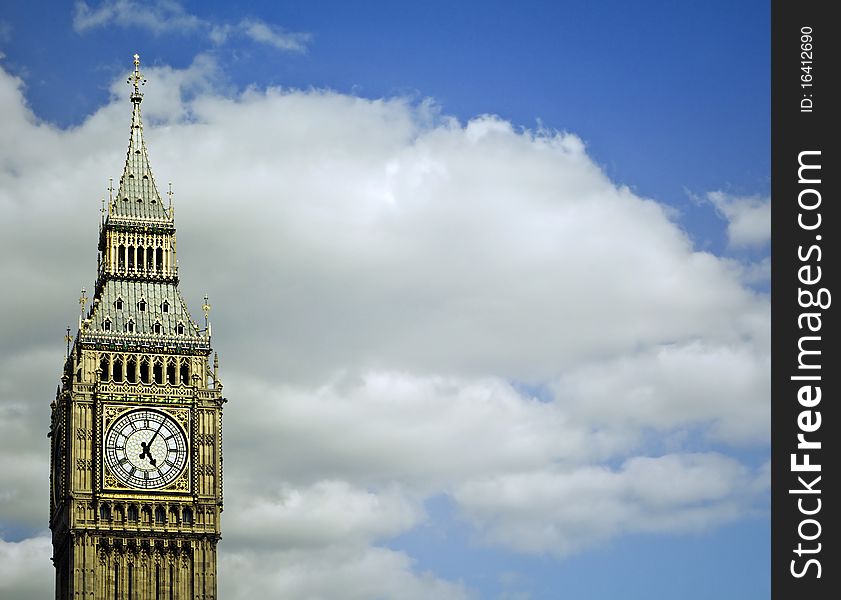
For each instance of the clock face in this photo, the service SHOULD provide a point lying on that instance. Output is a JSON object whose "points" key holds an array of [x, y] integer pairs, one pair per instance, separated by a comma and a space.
{"points": [[146, 449]]}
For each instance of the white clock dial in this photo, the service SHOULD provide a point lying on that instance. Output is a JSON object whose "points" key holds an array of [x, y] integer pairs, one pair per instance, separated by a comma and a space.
{"points": [[146, 449]]}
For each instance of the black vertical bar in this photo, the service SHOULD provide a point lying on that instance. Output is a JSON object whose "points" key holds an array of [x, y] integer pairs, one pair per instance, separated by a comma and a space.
{"points": [[805, 369]]}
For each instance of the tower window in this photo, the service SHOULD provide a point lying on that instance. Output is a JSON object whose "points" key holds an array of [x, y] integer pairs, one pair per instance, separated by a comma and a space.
{"points": [[141, 306], [188, 516], [103, 368], [119, 304], [132, 513], [106, 325], [165, 306], [144, 370], [117, 370], [131, 370], [160, 515], [130, 326], [156, 327], [158, 373], [185, 373], [170, 373], [179, 329], [104, 512]]}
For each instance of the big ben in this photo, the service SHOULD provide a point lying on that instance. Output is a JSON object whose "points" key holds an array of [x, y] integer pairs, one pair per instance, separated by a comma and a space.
{"points": [[136, 426]]}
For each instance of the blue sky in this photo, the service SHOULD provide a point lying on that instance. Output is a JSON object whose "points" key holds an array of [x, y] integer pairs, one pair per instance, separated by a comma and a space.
{"points": [[510, 265]]}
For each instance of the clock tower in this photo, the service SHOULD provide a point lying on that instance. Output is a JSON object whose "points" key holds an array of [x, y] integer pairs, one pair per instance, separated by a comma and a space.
{"points": [[136, 426]]}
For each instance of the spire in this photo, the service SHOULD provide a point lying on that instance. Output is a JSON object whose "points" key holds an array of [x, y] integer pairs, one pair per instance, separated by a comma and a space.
{"points": [[137, 80], [137, 196]]}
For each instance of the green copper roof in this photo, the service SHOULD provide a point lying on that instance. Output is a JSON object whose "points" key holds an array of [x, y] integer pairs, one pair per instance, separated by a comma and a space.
{"points": [[142, 308], [137, 196]]}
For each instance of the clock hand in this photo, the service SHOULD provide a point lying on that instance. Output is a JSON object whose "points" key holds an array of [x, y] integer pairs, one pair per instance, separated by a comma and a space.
{"points": [[147, 446], [146, 452]]}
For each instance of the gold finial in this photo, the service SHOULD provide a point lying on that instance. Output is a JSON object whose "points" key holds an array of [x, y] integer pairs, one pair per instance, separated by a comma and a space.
{"points": [[68, 338], [83, 300], [206, 308], [169, 193], [110, 194], [136, 79]]}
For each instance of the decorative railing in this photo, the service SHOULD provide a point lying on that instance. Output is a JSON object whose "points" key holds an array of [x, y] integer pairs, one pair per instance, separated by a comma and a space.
{"points": [[141, 341]]}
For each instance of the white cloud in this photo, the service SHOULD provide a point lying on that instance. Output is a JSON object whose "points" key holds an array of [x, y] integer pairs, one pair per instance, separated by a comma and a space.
{"points": [[671, 386], [561, 512], [351, 573], [748, 217], [757, 272], [24, 447], [322, 514], [169, 16], [425, 433], [22, 568], [262, 32], [385, 283], [159, 16], [469, 248]]}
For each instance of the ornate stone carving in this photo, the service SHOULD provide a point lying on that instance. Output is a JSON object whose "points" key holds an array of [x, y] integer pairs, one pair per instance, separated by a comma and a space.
{"points": [[137, 251]]}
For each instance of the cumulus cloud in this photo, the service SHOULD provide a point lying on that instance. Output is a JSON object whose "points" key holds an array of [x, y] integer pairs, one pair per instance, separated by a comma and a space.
{"points": [[564, 511], [169, 16], [389, 427], [24, 447], [322, 514], [748, 217], [354, 573], [669, 386], [22, 568], [406, 307]]}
